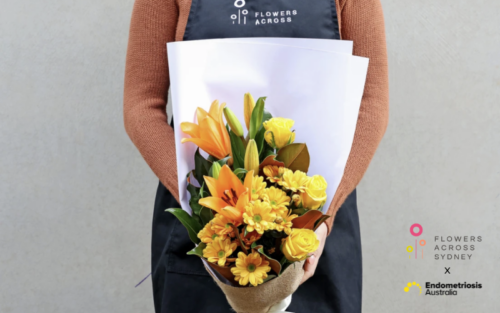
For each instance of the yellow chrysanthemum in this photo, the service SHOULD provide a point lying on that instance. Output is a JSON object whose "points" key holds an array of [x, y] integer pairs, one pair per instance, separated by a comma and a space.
{"points": [[218, 250], [283, 221], [274, 173], [277, 198], [251, 269], [295, 181], [220, 225], [258, 186], [258, 216], [207, 234]]}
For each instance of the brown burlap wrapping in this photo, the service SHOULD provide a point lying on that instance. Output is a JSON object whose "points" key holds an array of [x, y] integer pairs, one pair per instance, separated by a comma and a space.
{"points": [[261, 298]]}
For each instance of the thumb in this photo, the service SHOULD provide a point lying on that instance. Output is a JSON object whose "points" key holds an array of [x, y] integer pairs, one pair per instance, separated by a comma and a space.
{"points": [[309, 266]]}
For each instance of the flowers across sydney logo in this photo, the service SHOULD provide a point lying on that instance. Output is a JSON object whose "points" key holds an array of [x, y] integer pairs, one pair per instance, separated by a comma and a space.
{"points": [[446, 248], [416, 230], [243, 16]]}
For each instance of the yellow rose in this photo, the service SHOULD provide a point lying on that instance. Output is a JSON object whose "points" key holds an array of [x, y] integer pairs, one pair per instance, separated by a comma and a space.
{"points": [[278, 133], [315, 195], [299, 244]]}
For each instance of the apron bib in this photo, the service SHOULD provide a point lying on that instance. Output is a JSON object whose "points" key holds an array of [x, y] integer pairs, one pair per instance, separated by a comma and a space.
{"points": [[262, 18], [180, 282]]}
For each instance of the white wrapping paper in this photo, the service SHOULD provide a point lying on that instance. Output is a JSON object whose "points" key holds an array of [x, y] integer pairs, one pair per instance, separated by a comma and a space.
{"points": [[317, 83]]}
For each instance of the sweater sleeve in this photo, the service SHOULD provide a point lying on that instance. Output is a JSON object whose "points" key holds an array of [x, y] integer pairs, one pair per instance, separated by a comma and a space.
{"points": [[153, 24], [362, 21]]}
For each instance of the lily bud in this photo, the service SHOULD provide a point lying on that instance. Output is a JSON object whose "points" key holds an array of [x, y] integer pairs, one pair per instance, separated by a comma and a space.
{"points": [[216, 170], [252, 157], [249, 104], [233, 122]]}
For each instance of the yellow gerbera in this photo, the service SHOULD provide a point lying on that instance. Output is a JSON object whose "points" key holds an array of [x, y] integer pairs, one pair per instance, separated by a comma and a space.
{"points": [[274, 173], [295, 181], [258, 186], [207, 234], [283, 221], [277, 198], [258, 216], [218, 250], [220, 226], [250, 268]]}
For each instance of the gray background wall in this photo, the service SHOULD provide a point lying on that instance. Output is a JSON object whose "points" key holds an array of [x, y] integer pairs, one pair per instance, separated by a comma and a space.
{"points": [[76, 198]]}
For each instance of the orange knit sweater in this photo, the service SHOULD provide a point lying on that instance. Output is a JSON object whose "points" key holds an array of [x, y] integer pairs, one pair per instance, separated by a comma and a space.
{"points": [[156, 22]]}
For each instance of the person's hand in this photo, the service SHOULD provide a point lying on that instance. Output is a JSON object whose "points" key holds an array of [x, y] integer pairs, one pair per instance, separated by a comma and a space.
{"points": [[312, 261]]}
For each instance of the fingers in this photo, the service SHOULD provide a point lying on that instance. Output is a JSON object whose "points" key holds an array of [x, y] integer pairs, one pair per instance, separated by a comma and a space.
{"points": [[309, 268]]}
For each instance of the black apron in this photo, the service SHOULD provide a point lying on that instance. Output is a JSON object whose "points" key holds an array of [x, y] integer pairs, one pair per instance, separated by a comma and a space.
{"points": [[180, 282]]}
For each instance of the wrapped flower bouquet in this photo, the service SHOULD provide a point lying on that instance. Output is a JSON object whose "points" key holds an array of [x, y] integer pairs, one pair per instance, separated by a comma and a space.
{"points": [[254, 209]]}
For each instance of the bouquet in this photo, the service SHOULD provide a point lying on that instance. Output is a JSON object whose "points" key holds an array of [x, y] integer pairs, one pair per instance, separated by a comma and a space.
{"points": [[254, 209]]}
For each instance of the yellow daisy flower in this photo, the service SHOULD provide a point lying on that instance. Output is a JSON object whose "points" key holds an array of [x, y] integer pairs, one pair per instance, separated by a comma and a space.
{"points": [[283, 221], [207, 234], [295, 181], [258, 186], [218, 250], [251, 269], [258, 216], [220, 226], [274, 173], [277, 198]]}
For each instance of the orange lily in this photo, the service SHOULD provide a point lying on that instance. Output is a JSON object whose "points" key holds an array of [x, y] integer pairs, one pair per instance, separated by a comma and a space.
{"points": [[229, 194], [210, 134]]}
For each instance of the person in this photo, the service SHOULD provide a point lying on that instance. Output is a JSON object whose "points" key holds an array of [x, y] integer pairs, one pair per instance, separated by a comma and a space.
{"points": [[333, 276]]}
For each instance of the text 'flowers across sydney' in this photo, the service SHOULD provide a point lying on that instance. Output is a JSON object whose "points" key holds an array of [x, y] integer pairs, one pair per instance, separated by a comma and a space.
{"points": [[254, 209]]}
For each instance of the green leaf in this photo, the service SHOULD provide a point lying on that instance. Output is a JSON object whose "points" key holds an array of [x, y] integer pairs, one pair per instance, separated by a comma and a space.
{"points": [[266, 151], [197, 218], [240, 172], [320, 221], [198, 250], [283, 261], [256, 118], [202, 191], [238, 151], [206, 215], [295, 157], [259, 137], [195, 197], [223, 162], [274, 264], [201, 167], [277, 234], [193, 227], [266, 116], [299, 211]]}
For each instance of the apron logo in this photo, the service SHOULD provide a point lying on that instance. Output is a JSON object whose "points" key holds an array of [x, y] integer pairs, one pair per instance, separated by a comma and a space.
{"points": [[416, 230], [239, 4], [261, 18], [275, 17]]}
